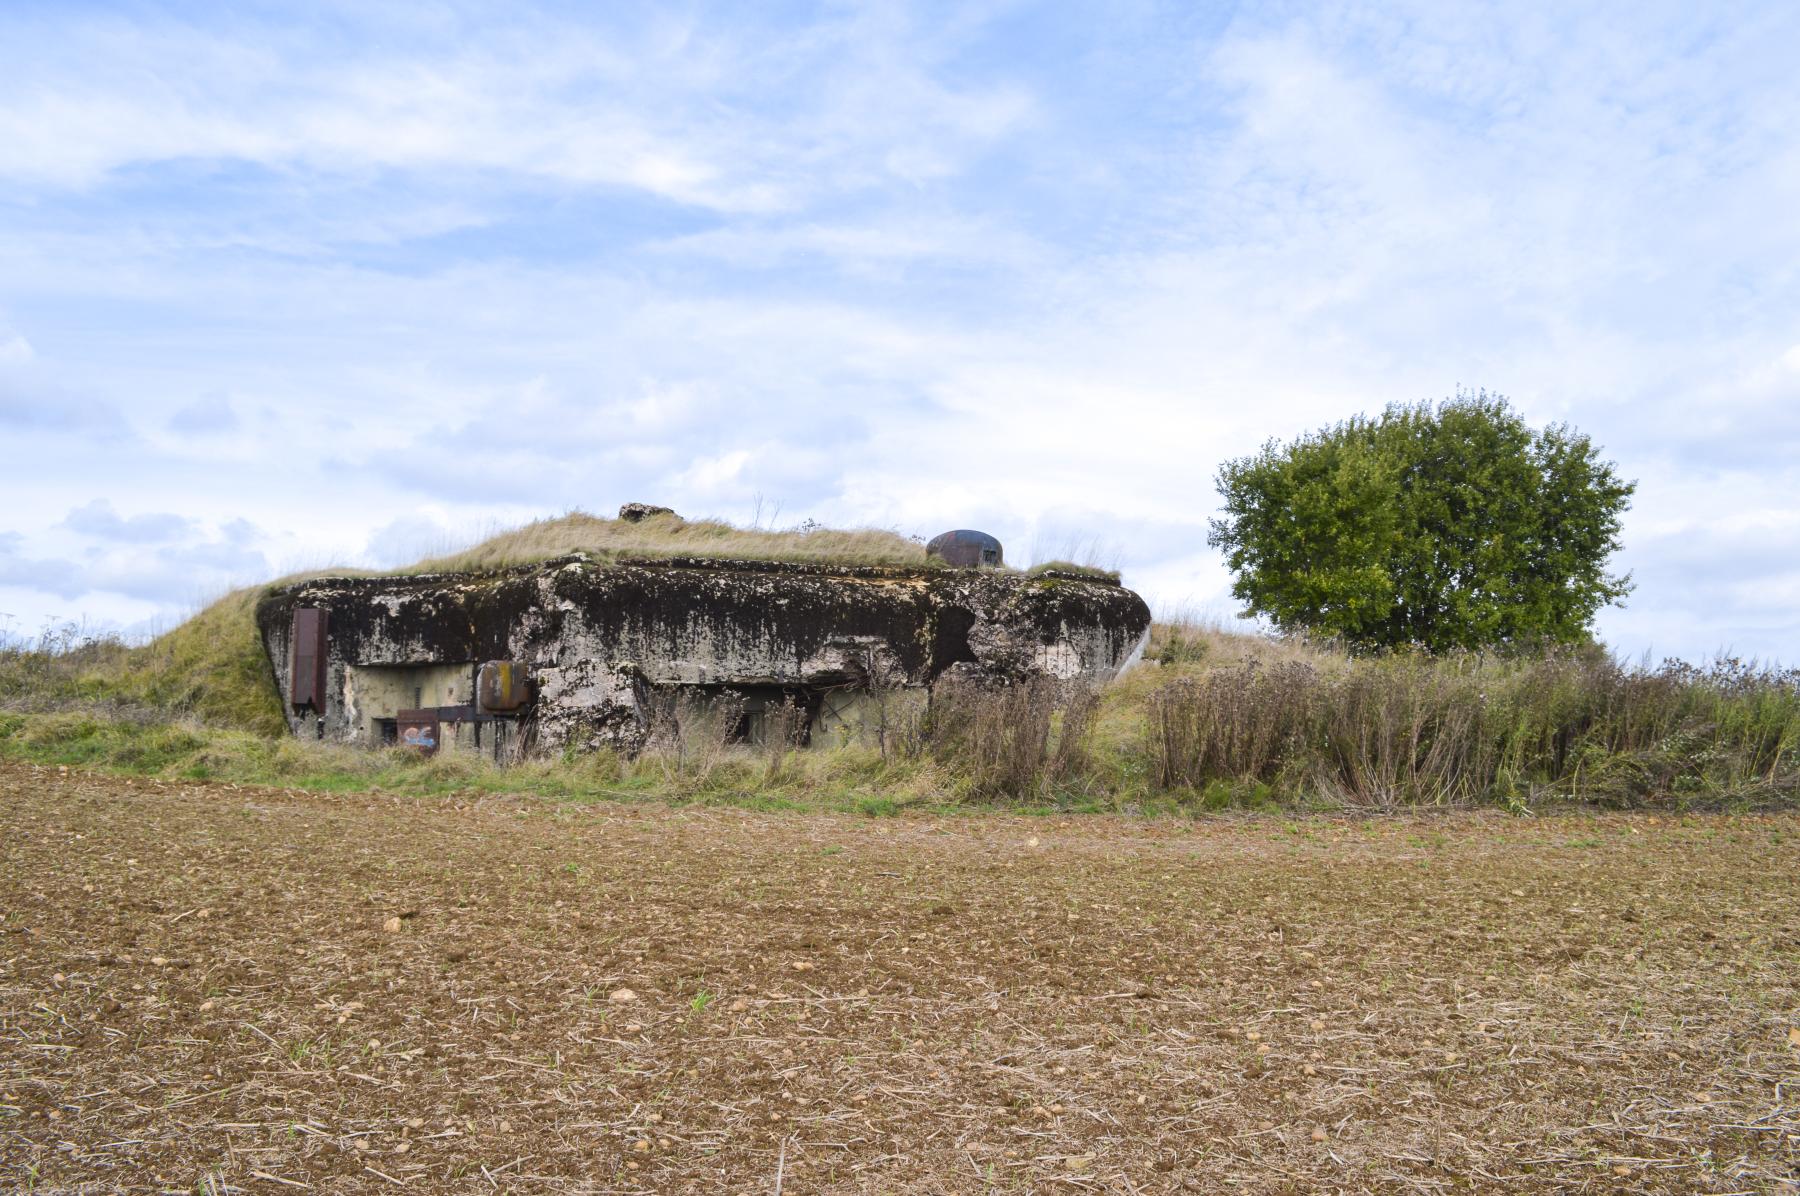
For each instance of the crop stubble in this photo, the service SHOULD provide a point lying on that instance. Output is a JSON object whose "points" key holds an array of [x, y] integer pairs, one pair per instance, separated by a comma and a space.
{"points": [[208, 988]]}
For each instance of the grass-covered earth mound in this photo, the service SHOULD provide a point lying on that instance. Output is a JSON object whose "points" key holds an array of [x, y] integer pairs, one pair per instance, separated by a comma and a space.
{"points": [[210, 668]]}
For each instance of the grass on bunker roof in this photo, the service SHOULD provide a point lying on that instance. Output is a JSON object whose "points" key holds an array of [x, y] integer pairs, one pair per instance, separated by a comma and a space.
{"points": [[672, 536], [208, 986], [661, 536]]}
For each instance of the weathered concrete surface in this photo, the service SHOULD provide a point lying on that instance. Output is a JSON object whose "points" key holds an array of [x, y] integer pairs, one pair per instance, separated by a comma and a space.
{"points": [[602, 638]]}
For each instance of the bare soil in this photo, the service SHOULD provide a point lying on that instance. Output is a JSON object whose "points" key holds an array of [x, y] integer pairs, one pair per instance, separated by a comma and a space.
{"points": [[211, 988]]}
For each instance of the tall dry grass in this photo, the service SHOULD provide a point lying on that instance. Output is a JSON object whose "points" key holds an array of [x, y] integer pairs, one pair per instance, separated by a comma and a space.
{"points": [[672, 536], [1418, 730]]}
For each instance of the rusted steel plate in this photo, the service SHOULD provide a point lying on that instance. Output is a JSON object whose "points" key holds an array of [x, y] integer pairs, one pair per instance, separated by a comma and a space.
{"points": [[306, 682], [502, 686]]}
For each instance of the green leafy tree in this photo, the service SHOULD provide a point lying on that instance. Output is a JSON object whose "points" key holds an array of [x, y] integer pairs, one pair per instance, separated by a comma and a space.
{"points": [[1447, 525]]}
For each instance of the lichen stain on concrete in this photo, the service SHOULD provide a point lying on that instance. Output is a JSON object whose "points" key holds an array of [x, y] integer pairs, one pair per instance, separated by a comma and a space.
{"points": [[598, 637]]}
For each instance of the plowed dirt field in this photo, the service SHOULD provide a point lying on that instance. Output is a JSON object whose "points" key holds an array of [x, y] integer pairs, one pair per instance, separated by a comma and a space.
{"points": [[211, 989]]}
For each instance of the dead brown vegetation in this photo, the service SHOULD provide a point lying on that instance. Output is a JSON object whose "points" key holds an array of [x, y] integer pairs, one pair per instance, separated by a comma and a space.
{"points": [[1412, 729], [1020, 740]]}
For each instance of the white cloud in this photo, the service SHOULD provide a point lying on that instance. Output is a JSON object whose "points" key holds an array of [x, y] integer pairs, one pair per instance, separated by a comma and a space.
{"points": [[99, 521], [717, 475], [167, 560], [655, 107], [209, 415], [410, 537], [874, 246]]}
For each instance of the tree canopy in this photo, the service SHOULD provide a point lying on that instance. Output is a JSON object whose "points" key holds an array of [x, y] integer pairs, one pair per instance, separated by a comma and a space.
{"points": [[1442, 525]]}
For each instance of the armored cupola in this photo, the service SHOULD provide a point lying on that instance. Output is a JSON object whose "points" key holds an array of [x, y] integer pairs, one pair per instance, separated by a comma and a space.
{"points": [[967, 549]]}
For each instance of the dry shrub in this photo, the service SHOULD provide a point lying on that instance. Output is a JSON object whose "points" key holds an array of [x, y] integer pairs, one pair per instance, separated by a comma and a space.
{"points": [[899, 724], [1071, 755], [1012, 739], [689, 736], [53, 669], [1731, 728], [1409, 730], [1233, 723], [901, 728], [783, 730]]}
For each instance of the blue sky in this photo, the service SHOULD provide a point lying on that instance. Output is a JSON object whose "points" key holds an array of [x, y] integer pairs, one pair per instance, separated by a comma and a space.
{"points": [[285, 286]]}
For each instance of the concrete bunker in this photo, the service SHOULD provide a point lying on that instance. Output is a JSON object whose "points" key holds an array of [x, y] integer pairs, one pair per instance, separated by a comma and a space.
{"points": [[580, 652]]}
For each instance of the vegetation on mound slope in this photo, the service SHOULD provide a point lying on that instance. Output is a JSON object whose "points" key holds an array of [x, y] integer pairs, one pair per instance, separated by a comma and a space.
{"points": [[210, 667]]}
